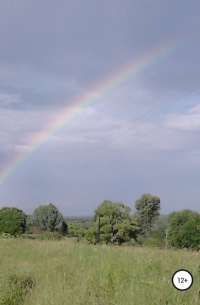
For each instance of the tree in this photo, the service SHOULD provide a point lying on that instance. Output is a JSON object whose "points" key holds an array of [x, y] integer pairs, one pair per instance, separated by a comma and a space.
{"points": [[76, 229], [157, 239], [48, 218], [161, 224], [184, 229], [159, 235], [147, 207], [12, 221], [112, 224], [91, 234]]}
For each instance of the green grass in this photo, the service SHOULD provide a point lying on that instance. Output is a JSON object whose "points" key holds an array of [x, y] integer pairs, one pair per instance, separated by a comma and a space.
{"points": [[66, 272]]}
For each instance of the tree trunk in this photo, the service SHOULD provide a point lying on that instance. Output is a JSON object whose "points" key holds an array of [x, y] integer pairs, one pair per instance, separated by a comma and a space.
{"points": [[98, 233], [111, 233]]}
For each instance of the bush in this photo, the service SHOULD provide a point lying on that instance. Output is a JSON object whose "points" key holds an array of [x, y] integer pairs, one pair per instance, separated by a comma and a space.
{"points": [[158, 235], [140, 239], [6, 235], [152, 242], [131, 242]]}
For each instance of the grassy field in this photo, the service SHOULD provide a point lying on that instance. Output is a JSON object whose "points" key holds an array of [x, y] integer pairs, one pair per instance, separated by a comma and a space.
{"points": [[65, 272]]}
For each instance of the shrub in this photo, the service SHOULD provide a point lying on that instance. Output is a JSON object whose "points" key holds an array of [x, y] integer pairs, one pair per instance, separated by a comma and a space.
{"points": [[152, 242], [6, 235], [140, 239], [158, 235], [131, 242]]}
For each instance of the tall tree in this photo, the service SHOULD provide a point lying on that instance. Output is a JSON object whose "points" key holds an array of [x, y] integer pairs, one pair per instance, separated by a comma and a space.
{"points": [[184, 229], [12, 221], [112, 223], [147, 207], [48, 218]]}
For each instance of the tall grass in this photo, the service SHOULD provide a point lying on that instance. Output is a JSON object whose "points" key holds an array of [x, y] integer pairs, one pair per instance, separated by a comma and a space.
{"points": [[65, 272]]}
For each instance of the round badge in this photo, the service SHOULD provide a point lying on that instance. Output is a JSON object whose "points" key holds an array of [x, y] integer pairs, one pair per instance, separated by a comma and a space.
{"points": [[182, 279]]}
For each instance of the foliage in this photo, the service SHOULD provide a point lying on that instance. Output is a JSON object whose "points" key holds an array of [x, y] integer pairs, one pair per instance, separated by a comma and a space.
{"points": [[161, 224], [184, 229], [92, 233], [48, 218], [6, 236], [76, 229], [131, 242], [112, 224], [140, 239], [12, 221], [157, 239], [29, 224], [85, 221], [158, 235], [44, 236], [152, 242], [147, 207]]}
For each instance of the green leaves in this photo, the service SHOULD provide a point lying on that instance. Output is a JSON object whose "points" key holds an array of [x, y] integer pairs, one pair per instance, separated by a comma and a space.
{"points": [[76, 229], [48, 218], [112, 223], [12, 221], [183, 229], [147, 207]]}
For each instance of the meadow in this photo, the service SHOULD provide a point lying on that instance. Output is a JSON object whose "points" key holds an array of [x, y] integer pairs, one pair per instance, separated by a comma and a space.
{"points": [[66, 272]]}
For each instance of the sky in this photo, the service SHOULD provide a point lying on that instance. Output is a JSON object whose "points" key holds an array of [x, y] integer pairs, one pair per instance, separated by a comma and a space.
{"points": [[99, 100]]}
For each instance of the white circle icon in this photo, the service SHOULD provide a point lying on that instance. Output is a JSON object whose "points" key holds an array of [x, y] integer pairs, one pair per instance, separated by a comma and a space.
{"points": [[182, 279]]}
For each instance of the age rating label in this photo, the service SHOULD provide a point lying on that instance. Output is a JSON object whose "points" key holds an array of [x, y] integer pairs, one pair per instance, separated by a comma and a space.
{"points": [[182, 279]]}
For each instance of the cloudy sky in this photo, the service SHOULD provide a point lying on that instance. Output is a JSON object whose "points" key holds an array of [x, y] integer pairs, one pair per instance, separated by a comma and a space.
{"points": [[140, 136]]}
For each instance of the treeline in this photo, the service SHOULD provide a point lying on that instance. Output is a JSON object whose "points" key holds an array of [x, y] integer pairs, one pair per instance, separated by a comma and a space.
{"points": [[112, 223]]}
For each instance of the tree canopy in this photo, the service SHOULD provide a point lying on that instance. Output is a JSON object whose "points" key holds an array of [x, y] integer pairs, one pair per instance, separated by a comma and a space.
{"points": [[12, 221], [48, 218], [76, 229], [184, 229], [147, 207], [112, 223]]}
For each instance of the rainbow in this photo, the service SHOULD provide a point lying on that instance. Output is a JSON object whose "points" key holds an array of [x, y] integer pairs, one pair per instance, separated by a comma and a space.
{"points": [[132, 68]]}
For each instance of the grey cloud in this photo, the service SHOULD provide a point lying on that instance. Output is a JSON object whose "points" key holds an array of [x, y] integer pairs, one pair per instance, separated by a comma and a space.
{"points": [[53, 52], [78, 39], [7, 99]]}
